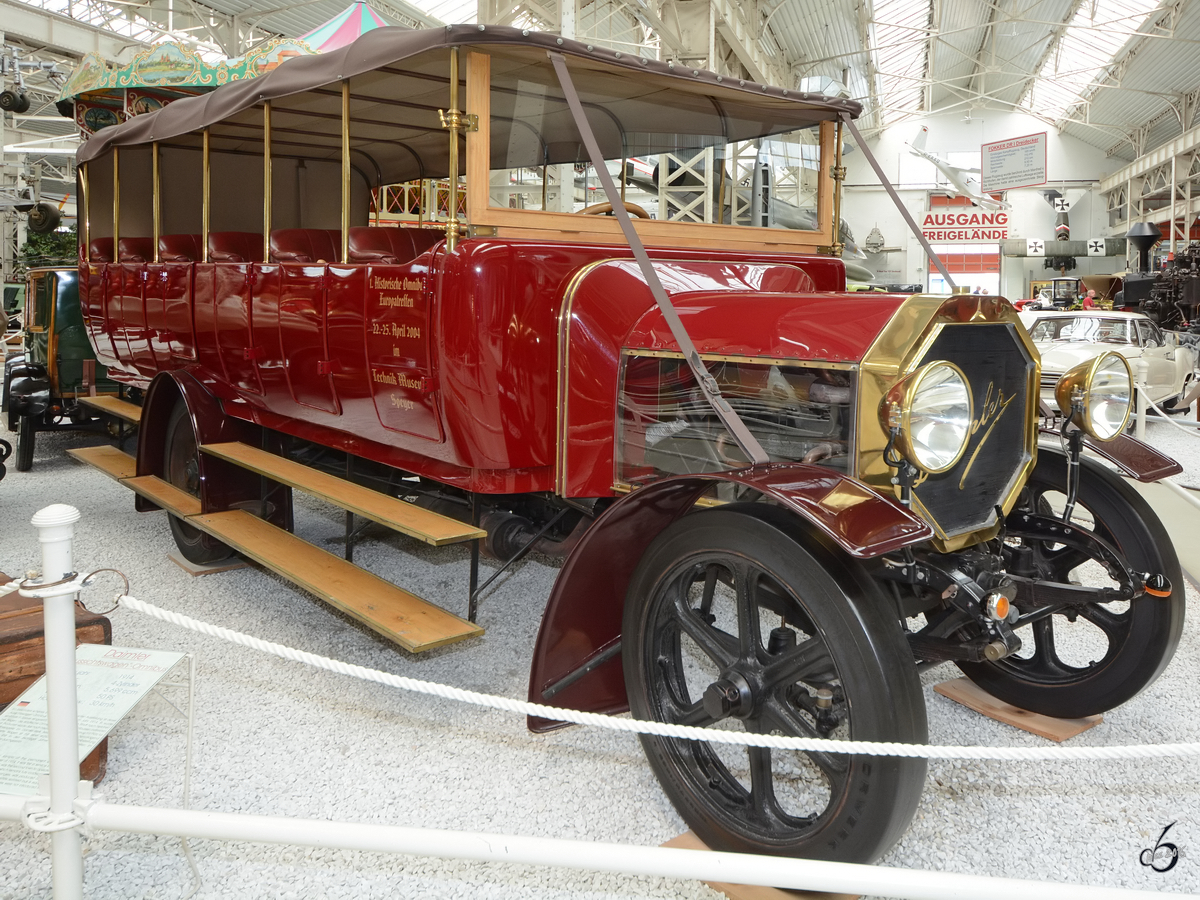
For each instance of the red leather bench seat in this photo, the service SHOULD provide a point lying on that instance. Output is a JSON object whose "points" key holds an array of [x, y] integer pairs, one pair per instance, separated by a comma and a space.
{"points": [[100, 249], [388, 245], [235, 246], [306, 245], [135, 249], [179, 247]]}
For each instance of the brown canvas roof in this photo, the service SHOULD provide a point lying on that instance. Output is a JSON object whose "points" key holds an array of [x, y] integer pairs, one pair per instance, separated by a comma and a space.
{"points": [[636, 106]]}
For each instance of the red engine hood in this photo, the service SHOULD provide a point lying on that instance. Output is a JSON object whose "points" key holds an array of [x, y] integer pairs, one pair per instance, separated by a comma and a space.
{"points": [[828, 327]]}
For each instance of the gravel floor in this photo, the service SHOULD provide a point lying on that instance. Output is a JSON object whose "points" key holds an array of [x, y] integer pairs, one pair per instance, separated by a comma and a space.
{"points": [[278, 737]]}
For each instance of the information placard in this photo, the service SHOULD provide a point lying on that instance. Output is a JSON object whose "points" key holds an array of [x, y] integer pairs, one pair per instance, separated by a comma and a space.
{"points": [[109, 683], [1015, 163]]}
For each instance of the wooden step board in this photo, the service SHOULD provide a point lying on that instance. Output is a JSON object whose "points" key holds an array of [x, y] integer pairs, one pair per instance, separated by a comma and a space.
{"points": [[112, 462], [396, 514], [114, 407], [395, 613], [164, 494]]}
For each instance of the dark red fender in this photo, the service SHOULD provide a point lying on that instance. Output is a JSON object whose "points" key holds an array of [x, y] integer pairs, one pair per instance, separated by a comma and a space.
{"points": [[583, 618], [1135, 458], [222, 484]]}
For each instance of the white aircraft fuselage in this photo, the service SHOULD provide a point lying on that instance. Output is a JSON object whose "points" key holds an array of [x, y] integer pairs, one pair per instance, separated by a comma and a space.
{"points": [[960, 179]]}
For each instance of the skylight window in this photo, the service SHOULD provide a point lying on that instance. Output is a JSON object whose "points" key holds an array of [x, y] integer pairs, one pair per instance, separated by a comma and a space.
{"points": [[900, 52], [453, 12], [1093, 39]]}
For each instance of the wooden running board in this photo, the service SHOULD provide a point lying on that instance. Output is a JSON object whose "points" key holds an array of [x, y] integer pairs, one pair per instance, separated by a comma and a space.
{"points": [[112, 462], [115, 407], [396, 514], [395, 613]]}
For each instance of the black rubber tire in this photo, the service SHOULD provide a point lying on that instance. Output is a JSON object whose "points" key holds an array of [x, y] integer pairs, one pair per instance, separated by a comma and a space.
{"points": [[44, 218], [181, 468], [863, 804], [26, 432], [1140, 639], [9, 101]]}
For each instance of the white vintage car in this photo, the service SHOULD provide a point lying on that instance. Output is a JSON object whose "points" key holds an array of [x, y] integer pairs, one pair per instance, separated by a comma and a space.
{"points": [[1067, 338]]}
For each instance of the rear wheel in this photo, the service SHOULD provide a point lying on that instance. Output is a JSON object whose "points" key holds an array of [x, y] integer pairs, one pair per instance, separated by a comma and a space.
{"points": [[735, 621], [26, 431], [181, 467], [1088, 658]]}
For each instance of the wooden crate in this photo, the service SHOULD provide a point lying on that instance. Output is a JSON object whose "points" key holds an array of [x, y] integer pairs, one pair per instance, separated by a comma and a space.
{"points": [[23, 656]]}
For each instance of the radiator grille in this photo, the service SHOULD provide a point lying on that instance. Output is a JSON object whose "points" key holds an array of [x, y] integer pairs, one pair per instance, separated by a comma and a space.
{"points": [[998, 368]]}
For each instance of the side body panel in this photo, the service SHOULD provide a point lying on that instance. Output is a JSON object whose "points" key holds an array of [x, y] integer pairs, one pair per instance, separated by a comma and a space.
{"points": [[447, 366]]}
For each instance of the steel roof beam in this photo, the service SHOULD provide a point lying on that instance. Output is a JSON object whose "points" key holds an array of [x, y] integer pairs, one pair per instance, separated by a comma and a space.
{"points": [[64, 35], [743, 40]]}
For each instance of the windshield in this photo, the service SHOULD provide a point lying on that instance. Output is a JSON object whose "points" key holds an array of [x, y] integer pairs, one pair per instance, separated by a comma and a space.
{"points": [[1091, 329]]}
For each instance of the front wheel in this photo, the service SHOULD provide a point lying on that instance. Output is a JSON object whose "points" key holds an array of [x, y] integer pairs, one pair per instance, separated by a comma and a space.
{"points": [[1085, 659], [181, 467], [735, 620], [26, 431]]}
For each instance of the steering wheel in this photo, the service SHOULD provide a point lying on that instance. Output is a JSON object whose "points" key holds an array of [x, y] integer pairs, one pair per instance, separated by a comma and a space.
{"points": [[599, 209]]}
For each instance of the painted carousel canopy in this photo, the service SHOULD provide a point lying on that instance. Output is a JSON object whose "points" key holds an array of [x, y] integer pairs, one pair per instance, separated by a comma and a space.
{"points": [[344, 28]]}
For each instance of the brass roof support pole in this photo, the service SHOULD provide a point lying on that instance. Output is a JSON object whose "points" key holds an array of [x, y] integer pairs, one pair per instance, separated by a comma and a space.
{"points": [[204, 201], [266, 180], [86, 219], [345, 171], [456, 122], [116, 202], [838, 173], [154, 173], [721, 193]]}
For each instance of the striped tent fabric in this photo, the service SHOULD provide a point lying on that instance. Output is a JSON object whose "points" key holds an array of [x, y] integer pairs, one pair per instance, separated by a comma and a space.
{"points": [[344, 28]]}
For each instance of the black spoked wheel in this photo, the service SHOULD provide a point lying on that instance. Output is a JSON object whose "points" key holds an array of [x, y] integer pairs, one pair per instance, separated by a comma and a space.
{"points": [[1089, 658], [736, 621], [26, 435], [181, 466]]}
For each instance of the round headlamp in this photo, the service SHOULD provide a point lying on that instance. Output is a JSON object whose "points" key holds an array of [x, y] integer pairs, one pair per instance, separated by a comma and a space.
{"points": [[931, 410], [1096, 395]]}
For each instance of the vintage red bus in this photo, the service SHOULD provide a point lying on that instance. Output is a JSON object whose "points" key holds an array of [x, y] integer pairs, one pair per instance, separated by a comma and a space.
{"points": [[775, 499]]}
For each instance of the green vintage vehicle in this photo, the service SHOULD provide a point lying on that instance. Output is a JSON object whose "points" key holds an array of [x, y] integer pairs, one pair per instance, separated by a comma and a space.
{"points": [[55, 367]]}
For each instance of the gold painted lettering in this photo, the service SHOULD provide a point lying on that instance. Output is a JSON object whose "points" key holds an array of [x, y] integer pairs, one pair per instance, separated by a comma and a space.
{"points": [[993, 408]]}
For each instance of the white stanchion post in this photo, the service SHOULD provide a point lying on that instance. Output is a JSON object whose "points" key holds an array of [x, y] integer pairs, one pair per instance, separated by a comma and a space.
{"points": [[56, 531], [1141, 372]]}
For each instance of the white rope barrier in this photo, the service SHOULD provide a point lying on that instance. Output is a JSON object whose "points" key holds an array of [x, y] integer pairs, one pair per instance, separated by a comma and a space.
{"points": [[1166, 417], [776, 742]]}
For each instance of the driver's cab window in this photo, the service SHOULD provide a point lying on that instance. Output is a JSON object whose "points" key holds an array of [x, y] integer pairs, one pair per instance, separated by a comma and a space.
{"points": [[42, 288], [1147, 332], [668, 170]]}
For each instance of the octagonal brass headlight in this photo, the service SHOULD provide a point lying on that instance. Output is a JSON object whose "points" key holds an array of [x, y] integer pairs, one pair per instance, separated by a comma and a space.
{"points": [[1097, 394], [932, 409]]}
